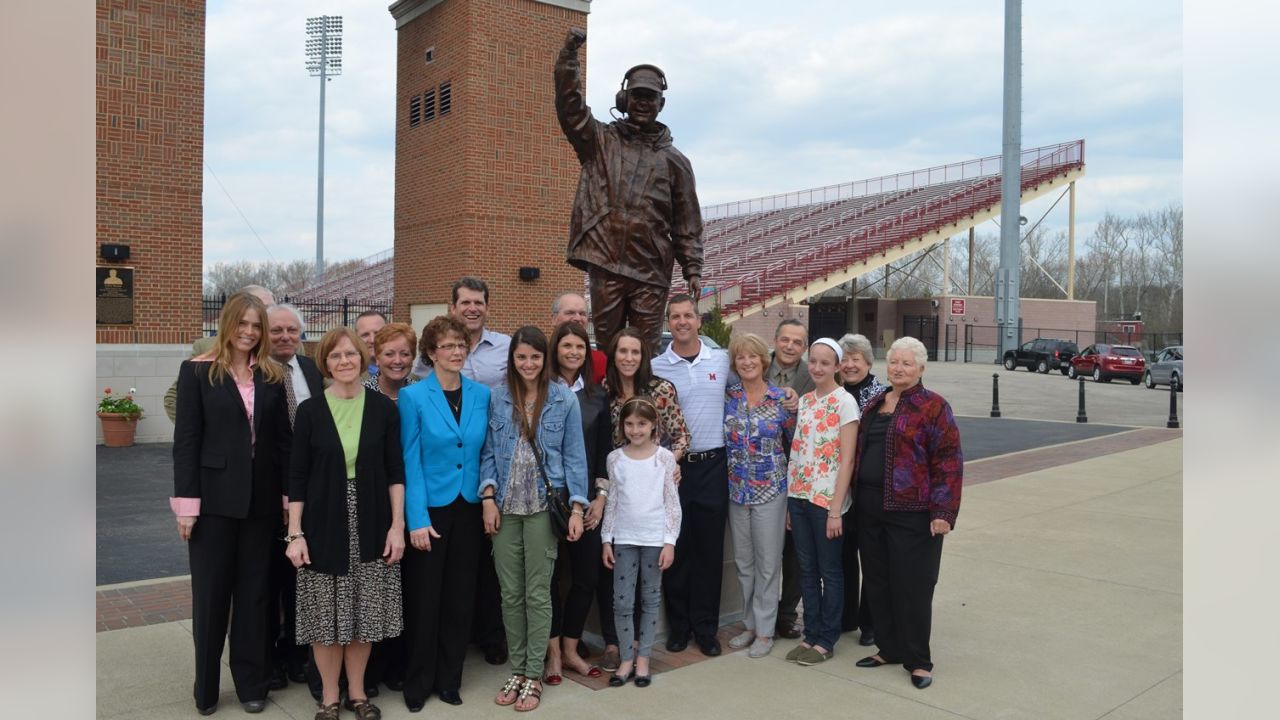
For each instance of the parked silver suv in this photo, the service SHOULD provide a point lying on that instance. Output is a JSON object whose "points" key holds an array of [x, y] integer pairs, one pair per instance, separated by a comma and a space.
{"points": [[1165, 368]]}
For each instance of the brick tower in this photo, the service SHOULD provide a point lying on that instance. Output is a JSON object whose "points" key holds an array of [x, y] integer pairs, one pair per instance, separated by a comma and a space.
{"points": [[150, 177], [484, 180]]}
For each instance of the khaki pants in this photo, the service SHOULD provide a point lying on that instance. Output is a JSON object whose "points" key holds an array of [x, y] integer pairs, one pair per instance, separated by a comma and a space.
{"points": [[524, 553]]}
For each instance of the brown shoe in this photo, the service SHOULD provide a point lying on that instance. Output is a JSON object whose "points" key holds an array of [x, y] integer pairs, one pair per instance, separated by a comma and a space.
{"points": [[327, 712], [530, 696], [366, 710], [510, 691]]}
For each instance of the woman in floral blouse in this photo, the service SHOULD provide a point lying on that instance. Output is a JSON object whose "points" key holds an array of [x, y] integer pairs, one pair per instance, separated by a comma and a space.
{"points": [[757, 438], [818, 497]]}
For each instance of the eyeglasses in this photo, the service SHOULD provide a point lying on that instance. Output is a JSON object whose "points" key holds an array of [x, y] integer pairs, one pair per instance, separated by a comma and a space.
{"points": [[451, 347]]}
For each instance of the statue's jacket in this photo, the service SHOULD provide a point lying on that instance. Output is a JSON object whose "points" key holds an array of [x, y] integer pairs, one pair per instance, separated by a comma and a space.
{"points": [[636, 209]]}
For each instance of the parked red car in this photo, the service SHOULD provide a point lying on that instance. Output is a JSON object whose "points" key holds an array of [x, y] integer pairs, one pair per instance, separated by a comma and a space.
{"points": [[1104, 362]]}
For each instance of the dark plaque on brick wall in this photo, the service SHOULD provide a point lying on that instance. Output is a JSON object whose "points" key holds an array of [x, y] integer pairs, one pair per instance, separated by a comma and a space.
{"points": [[115, 295]]}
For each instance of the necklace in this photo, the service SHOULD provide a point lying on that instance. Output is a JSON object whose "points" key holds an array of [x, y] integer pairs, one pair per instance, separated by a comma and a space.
{"points": [[457, 409]]}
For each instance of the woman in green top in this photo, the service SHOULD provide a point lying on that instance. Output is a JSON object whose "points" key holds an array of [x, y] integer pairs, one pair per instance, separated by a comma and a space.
{"points": [[346, 522]]}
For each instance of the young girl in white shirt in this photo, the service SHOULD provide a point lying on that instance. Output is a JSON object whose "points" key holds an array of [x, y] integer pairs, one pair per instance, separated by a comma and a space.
{"points": [[639, 531]]}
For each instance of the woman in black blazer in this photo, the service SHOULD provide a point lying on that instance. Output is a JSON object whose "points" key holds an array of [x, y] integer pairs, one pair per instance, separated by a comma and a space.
{"points": [[346, 522], [230, 453], [571, 365]]}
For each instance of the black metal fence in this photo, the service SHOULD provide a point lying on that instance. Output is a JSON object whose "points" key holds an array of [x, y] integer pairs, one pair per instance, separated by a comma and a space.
{"points": [[321, 316]]}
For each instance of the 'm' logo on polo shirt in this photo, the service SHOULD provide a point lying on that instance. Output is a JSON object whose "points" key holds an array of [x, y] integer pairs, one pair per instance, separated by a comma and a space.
{"points": [[711, 376]]}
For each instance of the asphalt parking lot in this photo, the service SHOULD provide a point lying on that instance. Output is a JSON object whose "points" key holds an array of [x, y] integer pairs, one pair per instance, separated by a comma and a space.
{"points": [[1035, 396]]}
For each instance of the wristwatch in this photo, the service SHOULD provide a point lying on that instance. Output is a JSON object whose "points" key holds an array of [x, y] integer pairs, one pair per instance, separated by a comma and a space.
{"points": [[294, 536]]}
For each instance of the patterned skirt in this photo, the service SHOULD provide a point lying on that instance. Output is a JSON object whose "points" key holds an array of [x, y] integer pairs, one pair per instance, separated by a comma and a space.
{"points": [[363, 605]]}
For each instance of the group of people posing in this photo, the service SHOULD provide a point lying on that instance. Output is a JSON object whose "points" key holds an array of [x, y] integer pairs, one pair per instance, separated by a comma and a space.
{"points": [[441, 487]]}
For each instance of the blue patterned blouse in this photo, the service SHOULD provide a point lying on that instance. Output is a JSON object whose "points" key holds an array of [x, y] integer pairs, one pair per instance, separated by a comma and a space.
{"points": [[757, 440]]}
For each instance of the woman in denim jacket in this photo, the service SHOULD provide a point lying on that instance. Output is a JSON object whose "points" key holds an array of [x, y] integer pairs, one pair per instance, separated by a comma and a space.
{"points": [[532, 421]]}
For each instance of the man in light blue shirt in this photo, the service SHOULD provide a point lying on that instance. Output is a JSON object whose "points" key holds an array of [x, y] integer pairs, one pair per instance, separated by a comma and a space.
{"points": [[487, 356], [487, 360], [692, 585]]}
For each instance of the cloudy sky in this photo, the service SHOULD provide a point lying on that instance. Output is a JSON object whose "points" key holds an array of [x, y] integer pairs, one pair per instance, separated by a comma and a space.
{"points": [[765, 98]]}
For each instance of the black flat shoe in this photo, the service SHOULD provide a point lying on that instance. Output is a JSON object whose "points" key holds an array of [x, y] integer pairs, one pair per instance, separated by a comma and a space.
{"points": [[867, 639], [495, 655], [414, 706], [617, 680], [921, 681], [278, 679], [709, 646], [870, 661], [643, 680], [676, 645], [394, 685], [451, 696], [208, 710], [254, 706]]}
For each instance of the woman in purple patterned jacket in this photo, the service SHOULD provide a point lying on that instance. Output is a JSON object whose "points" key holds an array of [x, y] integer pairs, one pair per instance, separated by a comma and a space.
{"points": [[908, 479]]}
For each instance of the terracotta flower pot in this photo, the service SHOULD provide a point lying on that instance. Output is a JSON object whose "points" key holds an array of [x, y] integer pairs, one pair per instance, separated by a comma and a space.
{"points": [[118, 429]]}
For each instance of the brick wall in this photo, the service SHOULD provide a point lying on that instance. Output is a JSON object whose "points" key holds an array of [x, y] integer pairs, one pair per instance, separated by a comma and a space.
{"points": [[765, 325], [487, 188], [150, 149]]}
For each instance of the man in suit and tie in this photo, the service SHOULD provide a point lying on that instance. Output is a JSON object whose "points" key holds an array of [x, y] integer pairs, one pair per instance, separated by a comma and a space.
{"points": [[302, 380]]}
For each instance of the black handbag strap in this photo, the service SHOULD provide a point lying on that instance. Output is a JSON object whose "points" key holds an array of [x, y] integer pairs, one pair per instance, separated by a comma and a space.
{"points": [[542, 470]]}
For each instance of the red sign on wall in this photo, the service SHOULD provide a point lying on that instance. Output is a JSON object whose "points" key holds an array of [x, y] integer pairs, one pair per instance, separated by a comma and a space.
{"points": [[957, 306]]}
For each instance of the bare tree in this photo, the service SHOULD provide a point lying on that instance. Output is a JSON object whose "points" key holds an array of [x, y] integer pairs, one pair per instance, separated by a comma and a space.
{"points": [[281, 278]]}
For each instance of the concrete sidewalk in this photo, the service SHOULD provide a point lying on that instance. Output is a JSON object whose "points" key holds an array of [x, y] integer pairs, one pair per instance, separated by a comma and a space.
{"points": [[1060, 597]]}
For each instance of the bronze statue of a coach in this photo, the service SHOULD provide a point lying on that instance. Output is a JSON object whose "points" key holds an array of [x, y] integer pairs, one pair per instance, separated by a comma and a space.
{"points": [[636, 209]]}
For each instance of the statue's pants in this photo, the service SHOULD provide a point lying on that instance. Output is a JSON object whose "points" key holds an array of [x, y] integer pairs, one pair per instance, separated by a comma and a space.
{"points": [[618, 301]]}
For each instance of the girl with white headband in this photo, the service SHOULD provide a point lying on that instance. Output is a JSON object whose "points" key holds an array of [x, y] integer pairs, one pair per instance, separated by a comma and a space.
{"points": [[821, 466]]}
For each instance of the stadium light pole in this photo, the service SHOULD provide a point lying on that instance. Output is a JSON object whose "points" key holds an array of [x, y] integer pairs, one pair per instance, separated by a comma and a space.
{"points": [[1008, 275], [324, 60]]}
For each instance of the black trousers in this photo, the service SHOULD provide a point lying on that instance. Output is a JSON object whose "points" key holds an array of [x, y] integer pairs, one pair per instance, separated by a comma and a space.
{"points": [[857, 611], [691, 585], [787, 615], [230, 584], [283, 622], [487, 629], [439, 600], [900, 562], [581, 559]]}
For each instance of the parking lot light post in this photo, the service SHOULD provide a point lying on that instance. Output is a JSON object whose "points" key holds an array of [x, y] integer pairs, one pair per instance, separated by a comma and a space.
{"points": [[1173, 404], [995, 395], [1080, 416]]}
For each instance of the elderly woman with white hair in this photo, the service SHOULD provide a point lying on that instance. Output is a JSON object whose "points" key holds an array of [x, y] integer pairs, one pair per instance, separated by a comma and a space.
{"points": [[855, 373], [855, 369], [907, 494]]}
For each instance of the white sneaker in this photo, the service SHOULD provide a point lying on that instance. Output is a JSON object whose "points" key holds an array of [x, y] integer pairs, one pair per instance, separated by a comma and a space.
{"points": [[760, 647], [741, 640]]}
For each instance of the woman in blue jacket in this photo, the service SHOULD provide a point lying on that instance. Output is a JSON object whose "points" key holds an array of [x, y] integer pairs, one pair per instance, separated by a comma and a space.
{"points": [[443, 422], [535, 431]]}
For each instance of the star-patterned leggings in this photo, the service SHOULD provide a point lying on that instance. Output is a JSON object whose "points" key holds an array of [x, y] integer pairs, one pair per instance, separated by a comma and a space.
{"points": [[632, 563]]}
